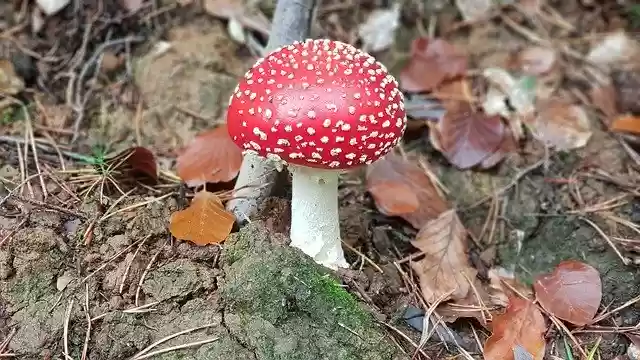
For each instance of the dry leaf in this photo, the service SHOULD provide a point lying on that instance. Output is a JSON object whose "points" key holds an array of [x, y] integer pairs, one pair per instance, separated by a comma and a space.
{"points": [[211, 157], [509, 145], [604, 98], [472, 10], [204, 222], [249, 18], [137, 163], [522, 324], [469, 138], [561, 125], [131, 5], [51, 7], [432, 62], [400, 188], [626, 123], [572, 292], [10, 82], [444, 271], [615, 49]]}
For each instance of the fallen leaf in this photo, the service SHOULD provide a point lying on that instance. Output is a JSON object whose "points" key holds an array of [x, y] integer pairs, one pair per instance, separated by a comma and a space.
{"points": [[604, 98], [378, 31], [444, 271], [560, 125], [472, 10], [10, 82], [626, 123], [110, 62], [523, 325], [204, 222], [138, 163], [509, 145], [572, 292], [400, 188], [626, 83], [519, 92], [469, 138], [537, 60], [50, 7], [432, 61], [211, 157]]}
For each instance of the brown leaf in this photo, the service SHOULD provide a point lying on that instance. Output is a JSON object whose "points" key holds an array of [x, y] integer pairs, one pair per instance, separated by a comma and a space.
{"points": [[432, 62], [560, 125], [572, 292], [444, 271], [401, 188], [469, 138], [522, 324], [210, 157], [626, 123], [508, 146], [10, 82], [138, 162], [204, 222], [604, 98]]}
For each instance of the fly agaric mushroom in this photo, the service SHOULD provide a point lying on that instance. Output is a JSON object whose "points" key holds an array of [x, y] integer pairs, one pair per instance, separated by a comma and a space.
{"points": [[318, 106]]}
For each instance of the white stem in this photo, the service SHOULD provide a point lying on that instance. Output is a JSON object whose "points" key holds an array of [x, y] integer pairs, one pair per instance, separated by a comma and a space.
{"points": [[315, 226]]}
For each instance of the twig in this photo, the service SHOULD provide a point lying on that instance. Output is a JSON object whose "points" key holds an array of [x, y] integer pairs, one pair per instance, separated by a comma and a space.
{"points": [[167, 338], [607, 239], [144, 275], [85, 347], [126, 271], [177, 347], [65, 330]]}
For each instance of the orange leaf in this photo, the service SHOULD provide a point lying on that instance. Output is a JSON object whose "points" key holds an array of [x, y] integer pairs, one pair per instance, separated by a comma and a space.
{"points": [[523, 325], [572, 292], [211, 157], [400, 188], [626, 123], [432, 62], [469, 138], [444, 271], [204, 222]]}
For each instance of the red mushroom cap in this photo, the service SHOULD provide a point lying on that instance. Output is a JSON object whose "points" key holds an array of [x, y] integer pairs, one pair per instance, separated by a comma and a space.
{"points": [[318, 103]]}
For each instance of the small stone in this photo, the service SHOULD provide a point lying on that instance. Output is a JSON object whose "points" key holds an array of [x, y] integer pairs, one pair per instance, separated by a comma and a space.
{"points": [[64, 280]]}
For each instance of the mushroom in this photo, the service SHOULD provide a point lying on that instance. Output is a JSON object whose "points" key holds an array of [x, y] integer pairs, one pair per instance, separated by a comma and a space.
{"points": [[319, 107]]}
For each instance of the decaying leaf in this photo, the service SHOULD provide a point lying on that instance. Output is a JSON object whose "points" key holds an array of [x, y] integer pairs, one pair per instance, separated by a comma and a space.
{"points": [[378, 31], [211, 157], [523, 325], [432, 62], [572, 292], [468, 138], [444, 271], [401, 188], [626, 123], [248, 17], [615, 49], [561, 125], [519, 93], [204, 222]]}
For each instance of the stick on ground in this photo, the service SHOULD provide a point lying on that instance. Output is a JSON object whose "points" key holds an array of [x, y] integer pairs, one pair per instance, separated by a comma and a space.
{"points": [[257, 178]]}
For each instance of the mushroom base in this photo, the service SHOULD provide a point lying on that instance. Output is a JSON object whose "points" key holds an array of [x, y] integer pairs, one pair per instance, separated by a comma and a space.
{"points": [[315, 226]]}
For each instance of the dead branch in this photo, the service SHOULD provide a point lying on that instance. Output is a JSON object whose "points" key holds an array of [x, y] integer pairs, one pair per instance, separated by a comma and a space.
{"points": [[257, 178]]}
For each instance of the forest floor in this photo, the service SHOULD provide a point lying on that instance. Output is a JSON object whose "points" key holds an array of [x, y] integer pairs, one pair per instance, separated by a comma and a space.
{"points": [[88, 266]]}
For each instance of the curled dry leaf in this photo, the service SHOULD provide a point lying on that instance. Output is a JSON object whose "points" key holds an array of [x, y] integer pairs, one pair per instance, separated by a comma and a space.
{"points": [[401, 188], [627, 123], [560, 125], [204, 222], [444, 271], [211, 157], [523, 325], [604, 98], [572, 292], [432, 62], [468, 138]]}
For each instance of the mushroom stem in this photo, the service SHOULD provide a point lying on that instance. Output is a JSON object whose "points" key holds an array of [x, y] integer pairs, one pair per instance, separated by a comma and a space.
{"points": [[315, 223]]}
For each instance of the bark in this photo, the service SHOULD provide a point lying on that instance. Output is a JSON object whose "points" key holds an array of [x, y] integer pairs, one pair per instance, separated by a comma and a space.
{"points": [[258, 178]]}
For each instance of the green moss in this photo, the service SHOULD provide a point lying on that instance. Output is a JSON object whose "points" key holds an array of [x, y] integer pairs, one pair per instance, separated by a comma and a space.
{"points": [[30, 289]]}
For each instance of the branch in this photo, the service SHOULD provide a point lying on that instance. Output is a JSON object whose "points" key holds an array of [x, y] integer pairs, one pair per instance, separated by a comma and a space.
{"points": [[258, 178]]}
